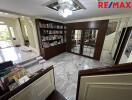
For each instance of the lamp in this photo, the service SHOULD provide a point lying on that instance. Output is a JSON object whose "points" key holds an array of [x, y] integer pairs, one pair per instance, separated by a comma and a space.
{"points": [[66, 7]]}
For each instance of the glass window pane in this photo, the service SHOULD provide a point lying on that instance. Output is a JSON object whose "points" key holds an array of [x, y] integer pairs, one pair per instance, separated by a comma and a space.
{"points": [[90, 37], [76, 41]]}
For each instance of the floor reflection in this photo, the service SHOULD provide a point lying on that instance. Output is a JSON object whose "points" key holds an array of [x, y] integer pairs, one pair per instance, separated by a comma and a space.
{"points": [[16, 54]]}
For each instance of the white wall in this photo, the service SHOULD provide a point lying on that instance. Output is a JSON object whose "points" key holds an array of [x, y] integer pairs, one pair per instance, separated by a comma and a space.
{"points": [[19, 32], [108, 43], [32, 32]]}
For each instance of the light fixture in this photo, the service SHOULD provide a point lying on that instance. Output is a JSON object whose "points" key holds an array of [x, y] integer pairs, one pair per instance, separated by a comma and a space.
{"points": [[65, 12], [65, 1], [66, 7]]}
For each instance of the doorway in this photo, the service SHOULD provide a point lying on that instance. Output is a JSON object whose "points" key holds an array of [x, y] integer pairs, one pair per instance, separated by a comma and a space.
{"points": [[5, 37]]}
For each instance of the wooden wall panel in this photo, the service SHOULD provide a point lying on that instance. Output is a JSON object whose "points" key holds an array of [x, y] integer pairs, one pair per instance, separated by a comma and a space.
{"points": [[100, 25]]}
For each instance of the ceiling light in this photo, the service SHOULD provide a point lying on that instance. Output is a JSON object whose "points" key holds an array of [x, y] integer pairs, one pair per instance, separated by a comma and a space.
{"points": [[68, 11], [62, 13], [66, 7], [65, 1], [65, 12]]}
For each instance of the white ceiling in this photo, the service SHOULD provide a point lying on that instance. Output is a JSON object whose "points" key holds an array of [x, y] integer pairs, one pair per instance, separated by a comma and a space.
{"points": [[35, 8]]}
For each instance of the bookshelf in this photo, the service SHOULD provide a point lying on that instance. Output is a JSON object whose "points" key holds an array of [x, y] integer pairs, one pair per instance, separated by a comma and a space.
{"points": [[51, 36]]}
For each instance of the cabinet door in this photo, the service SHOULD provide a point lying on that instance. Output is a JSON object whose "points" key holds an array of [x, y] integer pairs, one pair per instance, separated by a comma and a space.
{"points": [[89, 42], [44, 86], [26, 94], [76, 41], [38, 90]]}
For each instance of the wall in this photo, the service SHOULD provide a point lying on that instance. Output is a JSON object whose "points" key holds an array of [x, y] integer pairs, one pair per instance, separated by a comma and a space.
{"points": [[32, 20], [31, 32], [108, 43], [110, 35], [19, 32]]}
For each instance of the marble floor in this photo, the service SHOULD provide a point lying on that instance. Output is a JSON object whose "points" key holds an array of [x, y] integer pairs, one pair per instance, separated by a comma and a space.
{"points": [[17, 54], [66, 67], [106, 56]]}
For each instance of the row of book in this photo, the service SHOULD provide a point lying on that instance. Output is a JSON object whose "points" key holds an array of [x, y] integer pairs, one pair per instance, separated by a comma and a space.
{"points": [[52, 37], [50, 25], [52, 32], [11, 78]]}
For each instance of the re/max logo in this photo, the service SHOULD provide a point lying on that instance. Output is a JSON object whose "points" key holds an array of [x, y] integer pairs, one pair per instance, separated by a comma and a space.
{"points": [[115, 4]]}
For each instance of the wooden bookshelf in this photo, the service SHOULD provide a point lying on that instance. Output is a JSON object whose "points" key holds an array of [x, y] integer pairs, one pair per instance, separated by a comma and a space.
{"points": [[51, 36]]}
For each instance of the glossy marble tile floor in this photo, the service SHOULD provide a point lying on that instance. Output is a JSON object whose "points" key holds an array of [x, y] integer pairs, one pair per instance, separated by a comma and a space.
{"points": [[66, 67], [16, 54]]}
